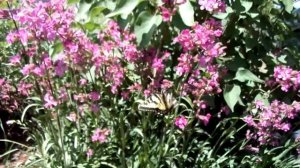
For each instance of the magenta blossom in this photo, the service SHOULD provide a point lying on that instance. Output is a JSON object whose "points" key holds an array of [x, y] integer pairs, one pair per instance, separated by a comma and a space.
{"points": [[94, 96], [15, 60], [60, 68], [100, 135], [212, 5], [50, 102], [27, 69], [204, 118], [181, 122], [89, 152]]}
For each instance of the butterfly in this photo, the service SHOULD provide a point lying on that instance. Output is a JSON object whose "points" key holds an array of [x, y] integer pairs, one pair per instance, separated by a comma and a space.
{"points": [[160, 103]]}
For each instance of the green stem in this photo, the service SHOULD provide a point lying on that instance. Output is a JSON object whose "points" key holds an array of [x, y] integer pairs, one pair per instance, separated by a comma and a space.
{"points": [[123, 143]]}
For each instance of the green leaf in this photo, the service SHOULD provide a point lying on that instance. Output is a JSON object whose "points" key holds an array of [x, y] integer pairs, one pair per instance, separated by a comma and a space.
{"points": [[247, 5], [232, 95], [90, 26], [83, 11], [288, 5], [73, 1], [145, 26], [125, 8], [186, 12], [96, 12], [243, 75], [26, 109]]}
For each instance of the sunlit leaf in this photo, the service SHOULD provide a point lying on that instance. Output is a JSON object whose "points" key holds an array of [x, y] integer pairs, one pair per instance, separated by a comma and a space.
{"points": [[232, 95], [243, 75], [186, 12], [145, 26]]}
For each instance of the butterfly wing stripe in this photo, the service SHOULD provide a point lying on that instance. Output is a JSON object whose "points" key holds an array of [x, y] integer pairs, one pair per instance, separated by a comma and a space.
{"points": [[154, 98], [164, 100]]}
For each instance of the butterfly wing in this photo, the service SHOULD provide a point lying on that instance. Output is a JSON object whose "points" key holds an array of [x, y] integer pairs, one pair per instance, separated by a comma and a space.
{"points": [[159, 103]]}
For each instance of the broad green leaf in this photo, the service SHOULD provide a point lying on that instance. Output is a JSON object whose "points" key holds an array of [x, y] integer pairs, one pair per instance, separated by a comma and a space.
{"points": [[145, 26], [232, 95], [243, 75], [90, 26], [109, 4], [247, 5], [288, 5], [221, 15], [125, 9], [96, 12], [83, 11], [186, 12]]}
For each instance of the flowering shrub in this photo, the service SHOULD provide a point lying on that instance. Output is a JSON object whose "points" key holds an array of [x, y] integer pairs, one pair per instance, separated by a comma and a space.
{"points": [[85, 67]]}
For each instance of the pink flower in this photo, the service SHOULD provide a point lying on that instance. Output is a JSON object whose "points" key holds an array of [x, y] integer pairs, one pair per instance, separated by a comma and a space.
{"points": [[83, 82], [166, 84], [135, 87], [184, 64], [204, 118], [24, 88], [63, 95], [125, 95], [94, 96], [39, 71], [100, 135], [5, 14], [94, 108], [181, 122], [252, 149], [212, 5], [166, 14], [11, 37], [60, 68], [50, 102], [89, 152], [27, 69], [249, 120], [287, 78], [185, 39], [259, 104], [23, 35], [15, 60]]}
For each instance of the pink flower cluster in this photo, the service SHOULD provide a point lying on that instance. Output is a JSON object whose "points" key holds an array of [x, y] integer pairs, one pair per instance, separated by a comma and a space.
{"points": [[203, 37], [100, 135], [116, 46], [41, 20], [287, 78], [204, 75], [12, 97], [212, 5], [271, 121]]}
